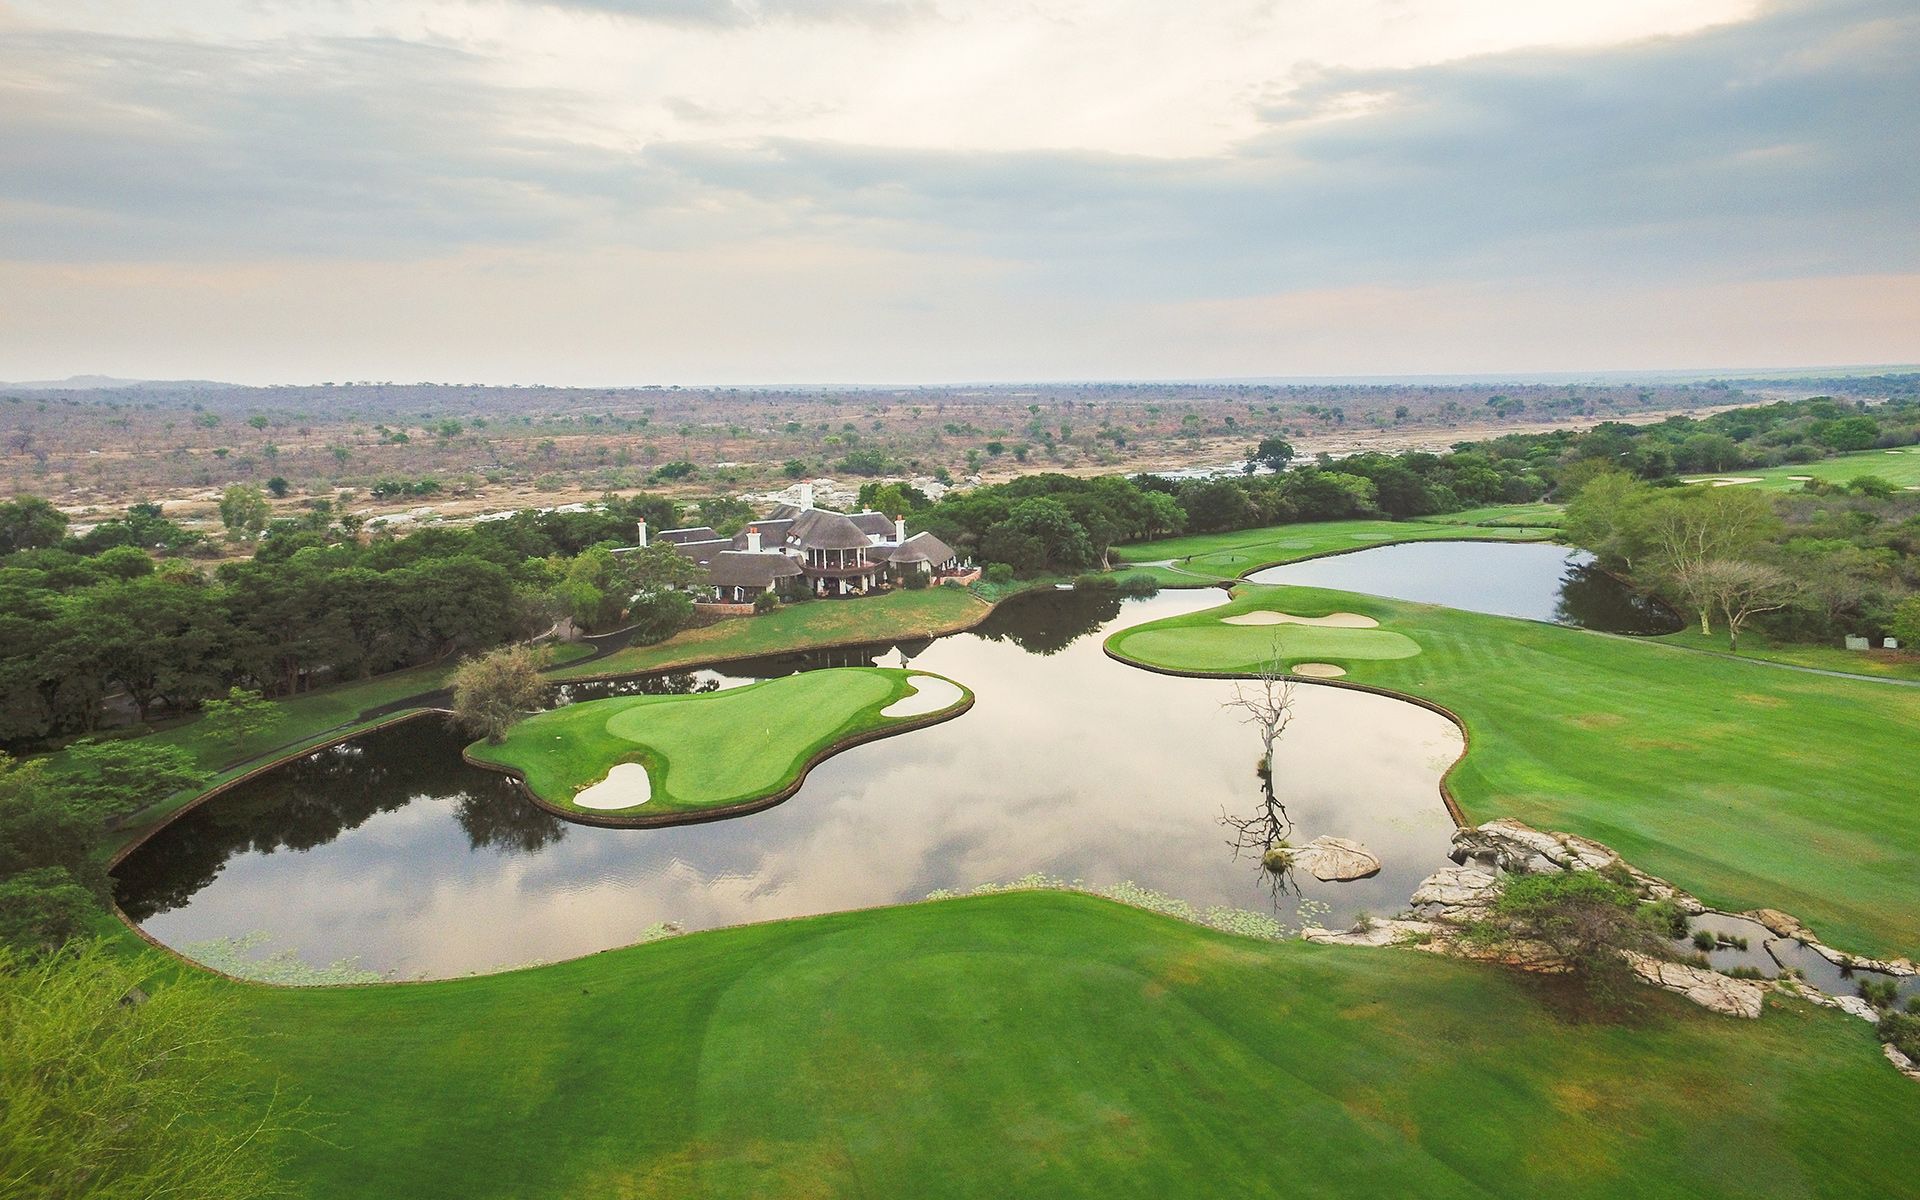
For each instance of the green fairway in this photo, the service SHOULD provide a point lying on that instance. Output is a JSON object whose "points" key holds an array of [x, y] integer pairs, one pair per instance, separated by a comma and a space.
{"points": [[1899, 467], [898, 614], [1747, 785], [1210, 557], [1549, 516], [709, 750], [1043, 1044]]}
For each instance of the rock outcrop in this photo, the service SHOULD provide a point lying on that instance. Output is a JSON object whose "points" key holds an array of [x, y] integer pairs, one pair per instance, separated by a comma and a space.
{"points": [[1336, 860], [1523, 850], [1375, 933], [1901, 1062], [1709, 989], [1456, 895]]}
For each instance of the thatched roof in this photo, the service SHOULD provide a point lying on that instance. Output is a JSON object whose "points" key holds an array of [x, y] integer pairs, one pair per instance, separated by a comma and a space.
{"points": [[921, 547], [738, 568]]}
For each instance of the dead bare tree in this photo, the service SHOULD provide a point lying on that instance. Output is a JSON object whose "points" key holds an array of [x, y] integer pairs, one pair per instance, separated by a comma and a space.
{"points": [[1266, 699]]}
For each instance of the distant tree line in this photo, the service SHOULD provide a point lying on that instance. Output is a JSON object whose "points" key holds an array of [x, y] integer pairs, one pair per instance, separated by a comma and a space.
{"points": [[83, 618]]}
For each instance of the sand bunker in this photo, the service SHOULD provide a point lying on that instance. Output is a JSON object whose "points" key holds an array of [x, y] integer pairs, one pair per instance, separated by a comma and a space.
{"points": [[930, 694], [1339, 620], [626, 786], [1730, 481], [1318, 670], [1801, 478]]}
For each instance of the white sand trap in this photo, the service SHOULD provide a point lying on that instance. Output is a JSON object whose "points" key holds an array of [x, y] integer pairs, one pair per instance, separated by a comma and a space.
{"points": [[1801, 478], [929, 694], [626, 786], [1729, 482], [1341, 620], [1318, 670]]}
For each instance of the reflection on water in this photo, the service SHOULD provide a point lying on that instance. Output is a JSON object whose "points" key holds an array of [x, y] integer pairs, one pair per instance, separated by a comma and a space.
{"points": [[392, 849], [1534, 580]]}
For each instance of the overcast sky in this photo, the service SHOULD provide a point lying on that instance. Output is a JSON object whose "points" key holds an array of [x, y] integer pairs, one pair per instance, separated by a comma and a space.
{"points": [[742, 191]]}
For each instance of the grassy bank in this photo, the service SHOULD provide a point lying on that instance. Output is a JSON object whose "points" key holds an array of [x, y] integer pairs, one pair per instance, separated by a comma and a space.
{"points": [[1054, 1045], [703, 751], [1756, 645], [1746, 785], [1210, 557], [896, 615]]}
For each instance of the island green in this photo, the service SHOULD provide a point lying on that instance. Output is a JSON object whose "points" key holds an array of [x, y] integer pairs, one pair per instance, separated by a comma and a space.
{"points": [[706, 750]]}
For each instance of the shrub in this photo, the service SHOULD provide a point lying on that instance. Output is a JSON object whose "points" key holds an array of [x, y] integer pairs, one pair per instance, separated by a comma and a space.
{"points": [[765, 602], [1881, 993], [1095, 583], [1138, 585], [998, 573], [1585, 920], [1666, 914], [1704, 939], [1902, 1032], [914, 581]]}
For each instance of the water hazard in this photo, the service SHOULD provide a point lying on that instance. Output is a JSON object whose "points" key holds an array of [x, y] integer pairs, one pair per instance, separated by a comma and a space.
{"points": [[389, 849], [1537, 581]]}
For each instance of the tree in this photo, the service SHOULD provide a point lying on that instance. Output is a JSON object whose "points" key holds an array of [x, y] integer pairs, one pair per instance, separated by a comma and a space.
{"points": [[243, 510], [42, 908], [239, 716], [109, 1092], [1740, 590], [1267, 702], [113, 779], [30, 523], [1585, 920], [1905, 625], [279, 486], [1685, 532], [493, 691], [1274, 453]]}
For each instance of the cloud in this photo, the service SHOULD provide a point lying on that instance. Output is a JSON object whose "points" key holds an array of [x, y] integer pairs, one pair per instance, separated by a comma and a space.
{"points": [[1725, 160]]}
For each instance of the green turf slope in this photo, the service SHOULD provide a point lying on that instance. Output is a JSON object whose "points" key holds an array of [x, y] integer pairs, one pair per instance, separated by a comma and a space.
{"points": [[1053, 1045]]}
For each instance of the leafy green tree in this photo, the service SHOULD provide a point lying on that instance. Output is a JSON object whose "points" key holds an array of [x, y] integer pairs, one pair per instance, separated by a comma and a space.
{"points": [[239, 716], [41, 827], [1274, 453], [1905, 625], [495, 690], [243, 510], [44, 907], [111, 779], [30, 523], [279, 486], [113, 1095]]}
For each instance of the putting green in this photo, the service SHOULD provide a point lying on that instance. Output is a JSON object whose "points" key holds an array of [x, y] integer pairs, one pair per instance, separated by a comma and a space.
{"points": [[1219, 646], [712, 750]]}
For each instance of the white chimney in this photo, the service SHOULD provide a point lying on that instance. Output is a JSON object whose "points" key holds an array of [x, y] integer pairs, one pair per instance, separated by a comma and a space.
{"points": [[899, 529], [643, 533], [753, 540], [806, 495]]}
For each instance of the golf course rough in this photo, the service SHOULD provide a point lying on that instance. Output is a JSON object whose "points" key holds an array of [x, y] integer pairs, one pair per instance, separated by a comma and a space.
{"points": [[713, 753]]}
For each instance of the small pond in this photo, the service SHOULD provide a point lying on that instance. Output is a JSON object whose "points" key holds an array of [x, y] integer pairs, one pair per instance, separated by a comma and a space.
{"points": [[1538, 581], [390, 850]]}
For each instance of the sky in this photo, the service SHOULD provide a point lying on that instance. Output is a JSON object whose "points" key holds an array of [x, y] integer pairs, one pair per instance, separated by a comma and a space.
{"points": [[607, 192]]}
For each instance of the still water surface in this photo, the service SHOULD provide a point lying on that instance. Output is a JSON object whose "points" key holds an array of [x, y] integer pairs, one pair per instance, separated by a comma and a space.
{"points": [[391, 850], [1537, 581]]}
